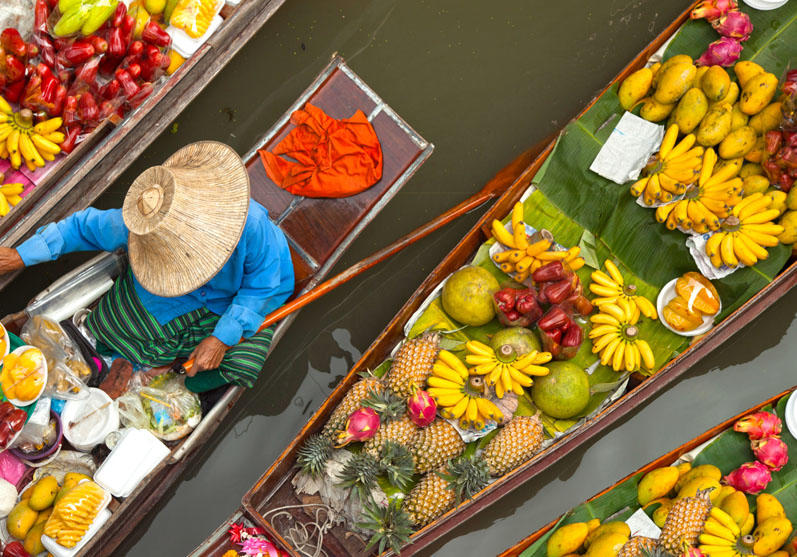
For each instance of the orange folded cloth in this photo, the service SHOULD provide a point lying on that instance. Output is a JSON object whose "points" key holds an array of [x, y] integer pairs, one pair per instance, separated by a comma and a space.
{"points": [[333, 158]]}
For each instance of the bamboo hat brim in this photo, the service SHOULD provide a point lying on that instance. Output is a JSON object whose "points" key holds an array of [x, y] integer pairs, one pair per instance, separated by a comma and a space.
{"points": [[185, 217]]}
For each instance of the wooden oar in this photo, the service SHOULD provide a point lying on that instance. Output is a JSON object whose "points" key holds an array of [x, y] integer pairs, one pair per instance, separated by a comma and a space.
{"points": [[492, 189]]}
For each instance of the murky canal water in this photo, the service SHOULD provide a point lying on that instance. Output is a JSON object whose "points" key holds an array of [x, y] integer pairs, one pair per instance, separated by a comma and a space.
{"points": [[483, 82]]}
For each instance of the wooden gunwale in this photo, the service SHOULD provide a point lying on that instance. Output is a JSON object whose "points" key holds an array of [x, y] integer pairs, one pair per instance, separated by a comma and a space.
{"points": [[664, 460], [83, 175], [281, 470]]}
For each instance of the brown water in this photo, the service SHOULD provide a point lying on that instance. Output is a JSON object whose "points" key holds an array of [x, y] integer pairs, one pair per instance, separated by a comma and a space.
{"points": [[483, 83]]}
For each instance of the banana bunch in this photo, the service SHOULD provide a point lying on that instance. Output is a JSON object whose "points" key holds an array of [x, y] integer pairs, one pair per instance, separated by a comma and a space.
{"points": [[745, 234], [676, 167], [705, 203], [458, 395], [9, 196], [615, 336], [721, 536], [504, 368], [612, 286], [21, 140], [522, 257]]}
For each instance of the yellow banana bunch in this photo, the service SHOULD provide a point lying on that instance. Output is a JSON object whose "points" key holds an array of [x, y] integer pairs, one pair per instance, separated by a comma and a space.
{"points": [[721, 536], [9, 196], [615, 337], [745, 234], [612, 286], [672, 171], [706, 202], [504, 368], [21, 140], [523, 258], [458, 395]]}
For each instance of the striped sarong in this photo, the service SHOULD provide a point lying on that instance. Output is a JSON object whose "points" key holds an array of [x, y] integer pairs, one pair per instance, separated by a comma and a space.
{"points": [[122, 323]]}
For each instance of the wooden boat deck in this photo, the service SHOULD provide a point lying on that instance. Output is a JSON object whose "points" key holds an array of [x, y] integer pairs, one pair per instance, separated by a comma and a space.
{"points": [[318, 230]]}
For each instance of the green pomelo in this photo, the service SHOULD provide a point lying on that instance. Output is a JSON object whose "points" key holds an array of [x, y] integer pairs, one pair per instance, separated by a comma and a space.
{"points": [[468, 296], [521, 339], [564, 392]]}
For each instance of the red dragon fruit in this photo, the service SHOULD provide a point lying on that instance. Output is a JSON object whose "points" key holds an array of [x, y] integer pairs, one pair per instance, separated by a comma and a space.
{"points": [[712, 9], [759, 425], [361, 425], [422, 408], [750, 477], [722, 52], [771, 451], [736, 25]]}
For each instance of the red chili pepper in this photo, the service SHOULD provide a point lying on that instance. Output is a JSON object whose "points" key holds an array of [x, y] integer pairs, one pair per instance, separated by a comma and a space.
{"points": [[155, 34], [13, 43], [773, 140], [100, 45], [144, 91], [557, 292], [126, 81], [553, 319], [116, 43], [15, 549], [70, 138], [549, 272], [41, 12], [78, 52], [119, 15], [111, 89]]}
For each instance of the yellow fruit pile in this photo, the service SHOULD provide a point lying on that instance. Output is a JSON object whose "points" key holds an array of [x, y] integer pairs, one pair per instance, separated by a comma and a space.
{"points": [[21, 140], [458, 394], [615, 336], [505, 369], [74, 513], [522, 257], [612, 286], [9, 196], [22, 376], [588, 538]]}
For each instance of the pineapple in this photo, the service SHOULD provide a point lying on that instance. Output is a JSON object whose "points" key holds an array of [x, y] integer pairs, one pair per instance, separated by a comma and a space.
{"points": [[413, 364], [398, 463], [312, 456], [401, 431], [360, 473], [440, 490], [685, 522], [386, 403], [638, 546], [515, 443], [390, 525], [435, 445], [351, 402]]}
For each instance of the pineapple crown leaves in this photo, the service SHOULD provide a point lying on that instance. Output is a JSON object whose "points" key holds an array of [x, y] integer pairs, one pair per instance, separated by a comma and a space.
{"points": [[391, 526], [398, 464], [360, 474], [312, 456], [466, 476], [656, 551], [386, 403]]}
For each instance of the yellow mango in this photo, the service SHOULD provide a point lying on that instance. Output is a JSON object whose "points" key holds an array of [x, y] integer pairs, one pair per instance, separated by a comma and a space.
{"points": [[768, 119], [770, 535], [767, 506], [737, 143], [701, 483], [684, 467], [756, 154], [730, 98], [791, 199], [738, 118], [677, 59], [656, 483], [780, 553], [789, 223], [593, 524], [690, 110], [674, 82], [612, 527], [654, 68], [607, 545], [737, 506], [707, 470], [660, 514], [33, 539], [745, 71], [755, 184], [751, 169], [654, 111], [701, 71], [778, 202], [758, 93], [44, 515], [725, 490], [71, 479], [716, 83], [567, 539], [635, 87], [716, 125], [44, 493], [20, 520]]}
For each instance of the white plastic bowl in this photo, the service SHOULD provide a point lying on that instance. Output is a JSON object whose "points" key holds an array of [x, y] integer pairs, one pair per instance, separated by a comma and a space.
{"points": [[86, 435], [791, 414], [16, 402], [765, 4], [666, 294]]}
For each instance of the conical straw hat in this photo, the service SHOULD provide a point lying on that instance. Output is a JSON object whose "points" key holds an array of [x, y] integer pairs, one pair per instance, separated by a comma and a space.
{"points": [[186, 217]]}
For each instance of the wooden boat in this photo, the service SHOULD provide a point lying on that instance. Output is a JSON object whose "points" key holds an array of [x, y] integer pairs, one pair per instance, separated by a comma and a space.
{"points": [[79, 178], [318, 232], [274, 489], [524, 547]]}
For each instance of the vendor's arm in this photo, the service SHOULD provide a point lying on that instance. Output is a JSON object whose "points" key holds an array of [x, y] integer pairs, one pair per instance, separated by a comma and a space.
{"points": [[87, 230]]}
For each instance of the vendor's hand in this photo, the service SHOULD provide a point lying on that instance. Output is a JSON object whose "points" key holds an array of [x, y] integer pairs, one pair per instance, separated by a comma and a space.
{"points": [[207, 355], [10, 260]]}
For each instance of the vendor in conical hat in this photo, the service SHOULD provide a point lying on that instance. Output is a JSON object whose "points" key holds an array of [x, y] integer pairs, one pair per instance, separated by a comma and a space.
{"points": [[206, 266]]}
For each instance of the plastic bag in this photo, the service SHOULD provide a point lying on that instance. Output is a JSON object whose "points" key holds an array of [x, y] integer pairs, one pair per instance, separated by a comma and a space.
{"points": [[80, 17], [67, 370], [12, 469], [40, 429], [164, 406]]}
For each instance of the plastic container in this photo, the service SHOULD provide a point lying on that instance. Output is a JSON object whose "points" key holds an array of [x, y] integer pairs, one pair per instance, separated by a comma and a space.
{"points": [[185, 45], [666, 294], [136, 454], [57, 550], [790, 414], [101, 418], [20, 403], [45, 451]]}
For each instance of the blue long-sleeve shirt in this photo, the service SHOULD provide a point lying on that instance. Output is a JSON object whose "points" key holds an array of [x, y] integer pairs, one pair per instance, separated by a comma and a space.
{"points": [[257, 278]]}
